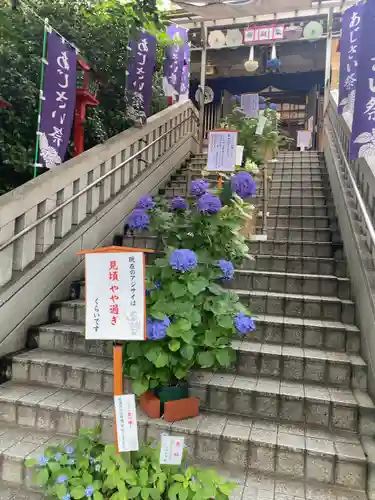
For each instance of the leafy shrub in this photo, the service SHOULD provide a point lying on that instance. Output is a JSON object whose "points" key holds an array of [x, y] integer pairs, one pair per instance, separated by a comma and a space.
{"points": [[87, 468], [191, 317]]}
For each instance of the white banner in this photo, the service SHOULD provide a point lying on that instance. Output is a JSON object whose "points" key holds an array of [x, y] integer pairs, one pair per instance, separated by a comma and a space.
{"points": [[171, 451], [115, 296], [126, 423], [222, 147]]}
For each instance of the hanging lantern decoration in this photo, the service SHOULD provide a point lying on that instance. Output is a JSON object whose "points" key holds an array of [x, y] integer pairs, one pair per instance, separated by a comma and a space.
{"points": [[251, 65], [273, 64]]}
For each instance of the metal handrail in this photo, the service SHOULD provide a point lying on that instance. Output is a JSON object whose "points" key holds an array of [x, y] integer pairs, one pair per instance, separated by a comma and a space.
{"points": [[356, 191], [45, 217]]}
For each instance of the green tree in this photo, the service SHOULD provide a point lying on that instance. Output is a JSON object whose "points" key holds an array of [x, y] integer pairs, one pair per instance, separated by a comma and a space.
{"points": [[102, 31]]}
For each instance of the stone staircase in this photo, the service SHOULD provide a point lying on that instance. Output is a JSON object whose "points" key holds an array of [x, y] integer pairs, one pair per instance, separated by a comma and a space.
{"points": [[293, 420]]}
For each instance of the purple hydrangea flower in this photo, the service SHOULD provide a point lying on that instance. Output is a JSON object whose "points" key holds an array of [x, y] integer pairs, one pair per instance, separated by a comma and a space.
{"points": [[157, 329], [273, 106], [66, 497], [243, 184], [145, 203], [58, 457], [198, 187], [43, 461], [61, 479], [244, 324], [69, 449], [227, 268], [138, 219], [89, 491], [179, 203], [183, 260], [209, 204]]}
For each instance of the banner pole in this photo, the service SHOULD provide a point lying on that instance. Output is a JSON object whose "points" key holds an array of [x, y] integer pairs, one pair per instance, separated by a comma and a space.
{"points": [[41, 97]]}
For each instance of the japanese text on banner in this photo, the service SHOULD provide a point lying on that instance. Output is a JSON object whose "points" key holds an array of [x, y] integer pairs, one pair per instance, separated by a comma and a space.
{"points": [[349, 53], [115, 296], [141, 69], [174, 61], [59, 97], [363, 129]]}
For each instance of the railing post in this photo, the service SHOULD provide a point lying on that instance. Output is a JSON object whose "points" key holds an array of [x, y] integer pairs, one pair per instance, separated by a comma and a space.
{"points": [[265, 199]]}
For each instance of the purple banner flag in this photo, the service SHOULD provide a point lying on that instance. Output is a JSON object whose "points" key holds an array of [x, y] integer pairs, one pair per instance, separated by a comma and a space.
{"points": [[59, 99], [174, 61], [363, 129], [349, 52], [141, 69], [185, 79]]}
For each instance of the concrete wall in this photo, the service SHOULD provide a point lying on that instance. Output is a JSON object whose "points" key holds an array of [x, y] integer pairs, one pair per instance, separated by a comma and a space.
{"points": [[38, 267]]}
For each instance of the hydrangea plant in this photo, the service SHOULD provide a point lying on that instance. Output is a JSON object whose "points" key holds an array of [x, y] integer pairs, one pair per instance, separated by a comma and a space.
{"points": [[90, 469], [192, 318]]}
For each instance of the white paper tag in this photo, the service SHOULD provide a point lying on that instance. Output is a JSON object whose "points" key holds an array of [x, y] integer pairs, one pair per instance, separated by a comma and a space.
{"points": [[126, 423], [239, 155], [261, 124], [172, 448]]}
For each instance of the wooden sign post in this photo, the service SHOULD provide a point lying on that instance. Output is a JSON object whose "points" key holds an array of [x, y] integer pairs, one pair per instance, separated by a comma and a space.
{"points": [[115, 301]]}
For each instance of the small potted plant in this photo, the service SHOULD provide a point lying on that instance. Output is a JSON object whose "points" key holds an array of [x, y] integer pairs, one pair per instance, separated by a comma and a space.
{"points": [[89, 469]]}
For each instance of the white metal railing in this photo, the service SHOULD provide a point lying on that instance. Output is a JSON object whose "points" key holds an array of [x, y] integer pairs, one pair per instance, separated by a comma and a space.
{"points": [[37, 216]]}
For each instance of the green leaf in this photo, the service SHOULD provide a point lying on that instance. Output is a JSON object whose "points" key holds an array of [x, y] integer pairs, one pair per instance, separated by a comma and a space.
{"points": [[60, 490], [174, 490], [134, 492], [197, 286], [158, 315], [78, 492], [215, 289], [178, 289], [143, 477], [154, 493], [225, 321], [187, 351], [188, 336], [140, 386], [184, 325], [42, 477], [224, 357], [184, 494], [180, 372], [30, 462], [161, 262], [206, 359], [98, 496], [195, 317], [162, 360], [174, 345], [145, 494], [179, 478]]}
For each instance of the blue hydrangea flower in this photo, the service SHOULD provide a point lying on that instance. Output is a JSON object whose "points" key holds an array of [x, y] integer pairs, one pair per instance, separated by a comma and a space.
{"points": [[157, 286], [66, 497], [89, 491], [138, 219], [198, 187], [43, 461], [92, 460], [69, 449], [209, 204], [183, 260], [227, 268], [145, 203], [58, 457], [179, 203], [157, 329], [243, 184], [61, 479], [273, 106], [244, 324]]}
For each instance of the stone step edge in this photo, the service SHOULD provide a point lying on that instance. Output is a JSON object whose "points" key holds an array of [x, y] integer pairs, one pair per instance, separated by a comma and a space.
{"points": [[250, 444], [292, 296]]}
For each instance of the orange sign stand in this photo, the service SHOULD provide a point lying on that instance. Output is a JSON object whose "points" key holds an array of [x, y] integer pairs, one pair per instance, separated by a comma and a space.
{"points": [[118, 385]]}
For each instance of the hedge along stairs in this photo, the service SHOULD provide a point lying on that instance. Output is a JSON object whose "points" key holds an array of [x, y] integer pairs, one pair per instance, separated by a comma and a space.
{"points": [[292, 419]]}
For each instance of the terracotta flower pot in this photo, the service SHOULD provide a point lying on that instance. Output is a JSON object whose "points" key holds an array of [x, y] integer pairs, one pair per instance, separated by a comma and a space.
{"points": [[173, 402], [181, 409]]}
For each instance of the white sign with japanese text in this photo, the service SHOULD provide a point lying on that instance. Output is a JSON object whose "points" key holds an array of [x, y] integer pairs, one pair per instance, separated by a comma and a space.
{"points": [[239, 155], [171, 451], [222, 148], [126, 423], [115, 296], [261, 124], [303, 139]]}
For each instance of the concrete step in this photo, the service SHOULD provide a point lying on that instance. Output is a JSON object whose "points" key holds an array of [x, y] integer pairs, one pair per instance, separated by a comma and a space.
{"points": [[301, 221], [288, 450], [291, 363], [290, 199], [297, 183], [295, 248], [285, 401], [64, 370], [305, 332], [305, 284], [301, 211], [297, 264], [292, 233], [298, 305], [296, 191]]}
